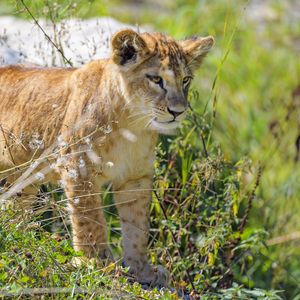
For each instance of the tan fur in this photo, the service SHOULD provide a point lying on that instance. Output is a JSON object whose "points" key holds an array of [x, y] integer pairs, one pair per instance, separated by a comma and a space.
{"points": [[98, 124]]}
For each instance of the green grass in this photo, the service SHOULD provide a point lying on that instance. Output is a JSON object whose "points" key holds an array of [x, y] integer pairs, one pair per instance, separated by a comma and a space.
{"points": [[248, 119], [32, 258]]}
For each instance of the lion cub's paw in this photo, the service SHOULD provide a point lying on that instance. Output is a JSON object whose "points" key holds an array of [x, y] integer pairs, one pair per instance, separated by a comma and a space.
{"points": [[103, 258]]}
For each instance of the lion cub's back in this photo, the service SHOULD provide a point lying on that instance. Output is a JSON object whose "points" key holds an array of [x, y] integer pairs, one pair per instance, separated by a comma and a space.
{"points": [[32, 108]]}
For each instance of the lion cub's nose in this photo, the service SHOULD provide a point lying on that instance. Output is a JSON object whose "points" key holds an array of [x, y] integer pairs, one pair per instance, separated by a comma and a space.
{"points": [[175, 113]]}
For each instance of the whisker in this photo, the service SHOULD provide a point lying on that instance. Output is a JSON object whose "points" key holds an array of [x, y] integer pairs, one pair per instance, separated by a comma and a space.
{"points": [[148, 124], [139, 120]]}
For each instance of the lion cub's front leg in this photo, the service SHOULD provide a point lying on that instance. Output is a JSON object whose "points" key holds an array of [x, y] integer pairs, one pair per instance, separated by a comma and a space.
{"points": [[132, 200]]}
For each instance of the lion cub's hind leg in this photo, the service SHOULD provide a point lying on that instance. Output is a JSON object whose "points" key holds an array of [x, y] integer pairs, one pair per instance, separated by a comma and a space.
{"points": [[87, 219]]}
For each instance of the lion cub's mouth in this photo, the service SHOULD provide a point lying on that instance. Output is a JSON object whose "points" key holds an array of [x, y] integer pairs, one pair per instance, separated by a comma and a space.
{"points": [[164, 125]]}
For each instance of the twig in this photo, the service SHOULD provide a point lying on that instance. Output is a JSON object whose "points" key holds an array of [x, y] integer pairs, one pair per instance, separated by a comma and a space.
{"points": [[250, 201], [284, 238], [31, 292], [200, 133], [7, 145], [46, 35]]}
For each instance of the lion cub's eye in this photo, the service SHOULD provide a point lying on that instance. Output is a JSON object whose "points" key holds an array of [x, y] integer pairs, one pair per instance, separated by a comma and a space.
{"points": [[156, 79], [186, 81]]}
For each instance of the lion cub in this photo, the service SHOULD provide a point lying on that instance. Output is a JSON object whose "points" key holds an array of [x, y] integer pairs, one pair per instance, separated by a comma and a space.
{"points": [[97, 124]]}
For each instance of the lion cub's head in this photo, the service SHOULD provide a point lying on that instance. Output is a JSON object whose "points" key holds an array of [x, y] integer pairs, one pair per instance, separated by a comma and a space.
{"points": [[158, 71]]}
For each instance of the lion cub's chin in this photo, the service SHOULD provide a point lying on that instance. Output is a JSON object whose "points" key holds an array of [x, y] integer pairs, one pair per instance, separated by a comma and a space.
{"points": [[165, 128]]}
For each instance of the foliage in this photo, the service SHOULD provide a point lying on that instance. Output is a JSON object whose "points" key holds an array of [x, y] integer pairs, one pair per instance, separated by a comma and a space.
{"points": [[32, 258], [198, 213], [241, 132]]}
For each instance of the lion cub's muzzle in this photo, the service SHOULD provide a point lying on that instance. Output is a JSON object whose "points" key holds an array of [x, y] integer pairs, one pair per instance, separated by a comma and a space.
{"points": [[177, 106]]}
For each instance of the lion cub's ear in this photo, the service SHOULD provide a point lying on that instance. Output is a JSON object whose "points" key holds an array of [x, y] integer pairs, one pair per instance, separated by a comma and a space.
{"points": [[195, 49], [128, 47]]}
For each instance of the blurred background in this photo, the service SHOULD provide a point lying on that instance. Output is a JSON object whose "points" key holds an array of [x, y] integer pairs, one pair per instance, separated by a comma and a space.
{"points": [[248, 94]]}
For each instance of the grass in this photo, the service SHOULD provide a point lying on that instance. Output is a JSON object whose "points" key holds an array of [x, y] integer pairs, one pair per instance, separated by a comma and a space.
{"points": [[245, 114]]}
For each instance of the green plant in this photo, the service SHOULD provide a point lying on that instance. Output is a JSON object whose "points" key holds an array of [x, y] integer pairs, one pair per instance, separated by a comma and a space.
{"points": [[245, 118]]}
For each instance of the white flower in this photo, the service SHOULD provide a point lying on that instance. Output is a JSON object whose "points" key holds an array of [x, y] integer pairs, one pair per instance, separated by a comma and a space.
{"points": [[87, 140], [36, 142], [39, 176], [76, 200], [107, 129], [73, 173], [61, 142], [81, 162], [61, 183], [109, 164]]}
